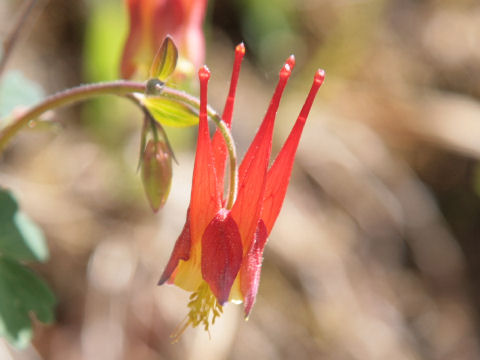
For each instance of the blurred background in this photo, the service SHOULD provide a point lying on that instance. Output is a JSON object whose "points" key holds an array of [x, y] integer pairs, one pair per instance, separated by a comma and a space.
{"points": [[376, 253]]}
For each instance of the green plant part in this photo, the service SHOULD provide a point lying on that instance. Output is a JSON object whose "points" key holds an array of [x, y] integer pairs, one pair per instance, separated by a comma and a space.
{"points": [[22, 292]]}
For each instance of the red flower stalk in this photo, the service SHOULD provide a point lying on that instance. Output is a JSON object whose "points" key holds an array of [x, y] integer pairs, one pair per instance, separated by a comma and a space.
{"points": [[151, 21], [218, 255]]}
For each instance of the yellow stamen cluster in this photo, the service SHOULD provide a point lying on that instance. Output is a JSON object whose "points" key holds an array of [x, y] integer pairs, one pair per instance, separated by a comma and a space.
{"points": [[204, 309]]}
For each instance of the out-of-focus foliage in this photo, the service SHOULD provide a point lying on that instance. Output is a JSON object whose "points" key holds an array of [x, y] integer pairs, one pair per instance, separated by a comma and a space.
{"points": [[17, 91], [22, 292], [269, 29], [19, 236], [105, 33]]}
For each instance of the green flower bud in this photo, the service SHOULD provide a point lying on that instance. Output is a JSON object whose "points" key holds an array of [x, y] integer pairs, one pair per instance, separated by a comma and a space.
{"points": [[156, 172], [165, 60]]}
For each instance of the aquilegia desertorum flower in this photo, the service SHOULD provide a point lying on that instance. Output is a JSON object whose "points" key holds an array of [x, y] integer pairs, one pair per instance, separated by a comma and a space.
{"points": [[218, 255]]}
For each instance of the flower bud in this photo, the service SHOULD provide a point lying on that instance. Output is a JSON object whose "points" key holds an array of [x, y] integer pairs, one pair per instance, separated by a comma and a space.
{"points": [[156, 168], [165, 60]]}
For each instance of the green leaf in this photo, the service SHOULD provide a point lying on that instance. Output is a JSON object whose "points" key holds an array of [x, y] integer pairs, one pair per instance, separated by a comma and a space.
{"points": [[22, 292], [165, 60], [171, 113], [20, 238], [16, 90]]}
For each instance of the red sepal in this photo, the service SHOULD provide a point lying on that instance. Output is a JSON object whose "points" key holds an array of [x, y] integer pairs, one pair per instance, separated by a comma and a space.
{"points": [[251, 268], [218, 143], [181, 251], [221, 254], [253, 169], [278, 176], [205, 200]]}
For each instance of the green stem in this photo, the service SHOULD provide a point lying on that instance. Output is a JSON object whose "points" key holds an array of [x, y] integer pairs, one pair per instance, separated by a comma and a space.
{"points": [[122, 88], [67, 97]]}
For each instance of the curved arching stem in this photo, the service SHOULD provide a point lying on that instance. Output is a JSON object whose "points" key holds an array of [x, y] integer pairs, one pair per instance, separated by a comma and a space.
{"points": [[119, 88]]}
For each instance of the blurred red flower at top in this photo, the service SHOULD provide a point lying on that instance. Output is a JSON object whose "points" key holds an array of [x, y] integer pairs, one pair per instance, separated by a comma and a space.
{"points": [[151, 21]]}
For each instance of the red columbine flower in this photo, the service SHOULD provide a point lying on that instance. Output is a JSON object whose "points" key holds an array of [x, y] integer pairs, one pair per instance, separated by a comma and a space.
{"points": [[151, 21], [218, 255]]}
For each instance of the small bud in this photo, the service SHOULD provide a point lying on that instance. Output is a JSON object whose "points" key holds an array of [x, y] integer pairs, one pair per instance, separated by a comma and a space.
{"points": [[165, 60], [156, 173]]}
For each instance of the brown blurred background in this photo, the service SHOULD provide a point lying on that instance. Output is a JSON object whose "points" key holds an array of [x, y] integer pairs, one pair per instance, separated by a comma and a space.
{"points": [[376, 253]]}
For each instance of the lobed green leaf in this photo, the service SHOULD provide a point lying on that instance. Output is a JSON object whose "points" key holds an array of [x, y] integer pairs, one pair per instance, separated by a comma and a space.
{"points": [[20, 238], [16, 90], [22, 292]]}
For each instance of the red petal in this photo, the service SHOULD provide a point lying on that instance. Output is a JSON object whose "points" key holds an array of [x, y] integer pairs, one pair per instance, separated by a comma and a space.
{"points": [[278, 176], [181, 251], [252, 266], [218, 143], [205, 199], [253, 169], [221, 254]]}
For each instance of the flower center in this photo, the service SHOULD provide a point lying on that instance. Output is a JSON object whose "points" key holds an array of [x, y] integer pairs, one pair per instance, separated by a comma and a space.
{"points": [[204, 309]]}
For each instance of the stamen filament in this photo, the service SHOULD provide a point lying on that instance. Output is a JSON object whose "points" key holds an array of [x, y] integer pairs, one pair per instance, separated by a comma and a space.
{"points": [[204, 309]]}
